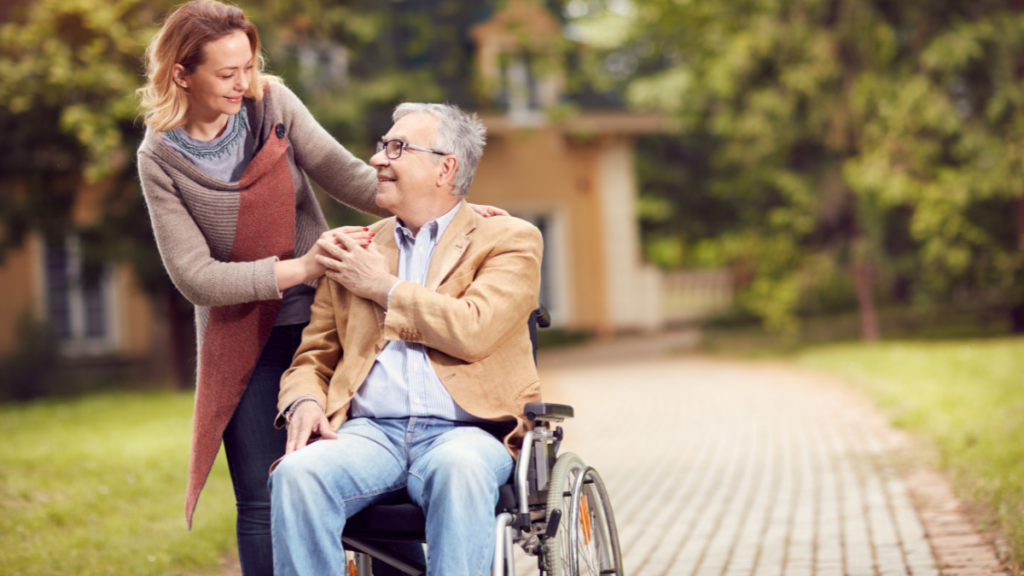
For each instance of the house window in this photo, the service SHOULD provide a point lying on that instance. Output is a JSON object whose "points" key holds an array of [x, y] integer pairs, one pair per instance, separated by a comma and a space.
{"points": [[79, 300], [553, 271], [528, 85], [519, 90], [543, 224]]}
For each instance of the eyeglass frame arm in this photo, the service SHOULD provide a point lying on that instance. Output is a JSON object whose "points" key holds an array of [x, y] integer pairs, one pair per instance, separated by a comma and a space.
{"points": [[383, 147]]}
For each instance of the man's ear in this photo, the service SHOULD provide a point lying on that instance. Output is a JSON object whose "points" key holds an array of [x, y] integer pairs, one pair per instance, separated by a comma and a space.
{"points": [[446, 175], [178, 74]]}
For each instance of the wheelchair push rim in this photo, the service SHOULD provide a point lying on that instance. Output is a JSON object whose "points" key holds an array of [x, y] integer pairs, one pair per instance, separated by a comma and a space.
{"points": [[586, 542]]}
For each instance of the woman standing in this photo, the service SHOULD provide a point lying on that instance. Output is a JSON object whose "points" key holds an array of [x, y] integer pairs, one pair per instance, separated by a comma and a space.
{"points": [[224, 168]]}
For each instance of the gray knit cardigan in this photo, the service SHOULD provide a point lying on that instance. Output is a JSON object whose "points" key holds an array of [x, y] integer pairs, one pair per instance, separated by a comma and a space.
{"points": [[194, 215]]}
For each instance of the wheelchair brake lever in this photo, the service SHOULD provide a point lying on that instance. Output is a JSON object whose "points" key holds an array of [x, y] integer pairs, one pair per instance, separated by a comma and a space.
{"points": [[553, 521]]}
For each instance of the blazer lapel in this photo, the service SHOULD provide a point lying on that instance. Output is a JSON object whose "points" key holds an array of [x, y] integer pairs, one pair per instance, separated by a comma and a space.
{"points": [[385, 241], [452, 246]]}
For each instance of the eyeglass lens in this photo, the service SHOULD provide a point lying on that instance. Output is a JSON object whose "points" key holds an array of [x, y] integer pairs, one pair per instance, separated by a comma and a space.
{"points": [[394, 148]]}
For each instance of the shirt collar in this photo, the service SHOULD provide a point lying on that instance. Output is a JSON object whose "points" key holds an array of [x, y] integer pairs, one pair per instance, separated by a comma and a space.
{"points": [[435, 228]]}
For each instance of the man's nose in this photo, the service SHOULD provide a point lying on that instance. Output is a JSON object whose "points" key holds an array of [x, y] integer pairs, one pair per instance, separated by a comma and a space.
{"points": [[380, 159]]}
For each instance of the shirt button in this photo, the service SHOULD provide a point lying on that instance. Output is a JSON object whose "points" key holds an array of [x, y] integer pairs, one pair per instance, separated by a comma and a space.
{"points": [[417, 400]]}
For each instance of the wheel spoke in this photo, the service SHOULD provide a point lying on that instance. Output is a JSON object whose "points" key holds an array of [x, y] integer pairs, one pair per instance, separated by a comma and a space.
{"points": [[577, 489]]}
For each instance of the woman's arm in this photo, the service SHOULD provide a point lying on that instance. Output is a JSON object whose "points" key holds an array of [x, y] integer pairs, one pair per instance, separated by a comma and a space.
{"points": [[201, 278], [345, 177]]}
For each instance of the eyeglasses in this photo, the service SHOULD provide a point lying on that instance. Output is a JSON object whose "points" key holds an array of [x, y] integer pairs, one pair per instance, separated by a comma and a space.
{"points": [[394, 148]]}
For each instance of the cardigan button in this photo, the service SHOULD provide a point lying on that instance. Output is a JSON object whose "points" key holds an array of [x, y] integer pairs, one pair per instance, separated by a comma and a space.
{"points": [[279, 130]]}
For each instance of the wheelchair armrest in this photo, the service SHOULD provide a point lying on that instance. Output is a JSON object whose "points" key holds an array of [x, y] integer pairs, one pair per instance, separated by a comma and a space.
{"points": [[544, 411]]}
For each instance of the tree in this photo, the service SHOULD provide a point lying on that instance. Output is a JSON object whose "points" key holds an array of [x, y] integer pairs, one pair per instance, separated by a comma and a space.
{"points": [[837, 129], [68, 74]]}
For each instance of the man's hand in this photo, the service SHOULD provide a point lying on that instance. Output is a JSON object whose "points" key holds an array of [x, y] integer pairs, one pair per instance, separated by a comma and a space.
{"points": [[308, 418], [363, 271]]}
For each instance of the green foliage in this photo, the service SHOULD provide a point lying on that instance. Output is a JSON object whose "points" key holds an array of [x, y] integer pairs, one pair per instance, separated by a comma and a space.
{"points": [[831, 128], [96, 486], [550, 338], [965, 397], [79, 59]]}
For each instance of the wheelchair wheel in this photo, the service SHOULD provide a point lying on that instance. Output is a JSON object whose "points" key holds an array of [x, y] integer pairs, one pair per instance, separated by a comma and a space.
{"points": [[587, 527]]}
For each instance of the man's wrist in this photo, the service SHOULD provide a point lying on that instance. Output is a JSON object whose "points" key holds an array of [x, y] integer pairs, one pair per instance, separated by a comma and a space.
{"points": [[386, 286], [294, 406]]}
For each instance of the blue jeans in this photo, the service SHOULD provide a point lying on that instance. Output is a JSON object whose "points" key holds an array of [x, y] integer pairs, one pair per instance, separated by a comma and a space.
{"points": [[451, 470], [252, 444]]}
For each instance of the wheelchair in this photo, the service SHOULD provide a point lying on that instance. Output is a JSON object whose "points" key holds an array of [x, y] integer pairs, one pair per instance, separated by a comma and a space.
{"points": [[554, 506]]}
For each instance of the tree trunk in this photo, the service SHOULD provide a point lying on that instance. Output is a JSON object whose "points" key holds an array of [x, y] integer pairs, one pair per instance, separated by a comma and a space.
{"points": [[1017, 318], [1017, 310], [1020, 223], [869, 330]]}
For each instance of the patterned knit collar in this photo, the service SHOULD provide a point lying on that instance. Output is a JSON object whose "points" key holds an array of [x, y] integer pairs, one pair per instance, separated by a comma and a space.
{"points": [[234, 133]]}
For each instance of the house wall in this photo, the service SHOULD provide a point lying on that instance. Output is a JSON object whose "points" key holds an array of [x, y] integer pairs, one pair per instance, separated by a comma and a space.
{"points": [[19, 278], [633, 288], [588, 185], [541, 171], [137, 323]]}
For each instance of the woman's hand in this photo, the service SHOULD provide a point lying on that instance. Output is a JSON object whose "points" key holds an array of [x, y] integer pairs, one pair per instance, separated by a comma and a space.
{"points": [[487, 211], [307, 420], [305, 268]]}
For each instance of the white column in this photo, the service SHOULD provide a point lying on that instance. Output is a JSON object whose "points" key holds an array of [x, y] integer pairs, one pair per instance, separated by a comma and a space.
{"points": [[632, 288]]}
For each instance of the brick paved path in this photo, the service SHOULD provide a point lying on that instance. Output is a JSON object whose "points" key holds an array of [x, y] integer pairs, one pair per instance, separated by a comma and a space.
{"points": [[729, 469]]}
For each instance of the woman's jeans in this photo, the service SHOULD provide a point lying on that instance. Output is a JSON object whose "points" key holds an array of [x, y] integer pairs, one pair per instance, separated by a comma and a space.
{"points": [[252, 444]]}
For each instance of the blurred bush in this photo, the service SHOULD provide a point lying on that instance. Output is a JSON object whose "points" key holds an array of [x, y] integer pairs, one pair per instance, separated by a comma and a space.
{"points": [[823, 145]]}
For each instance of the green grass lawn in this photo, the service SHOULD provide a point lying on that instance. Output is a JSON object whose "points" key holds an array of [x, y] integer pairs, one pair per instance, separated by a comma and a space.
{"points": [[97, 486], [966, 396]]}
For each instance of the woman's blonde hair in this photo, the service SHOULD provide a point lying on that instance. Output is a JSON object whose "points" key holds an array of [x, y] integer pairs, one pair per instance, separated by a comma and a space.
{"points": [[180, 41]]}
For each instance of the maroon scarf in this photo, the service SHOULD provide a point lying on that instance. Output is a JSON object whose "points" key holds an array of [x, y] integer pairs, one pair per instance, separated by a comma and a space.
{"points": [[235, 335]]}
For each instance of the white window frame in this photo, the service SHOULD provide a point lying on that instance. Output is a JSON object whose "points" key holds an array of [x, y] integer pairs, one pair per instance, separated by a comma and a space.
{"points": [[557, 259]]}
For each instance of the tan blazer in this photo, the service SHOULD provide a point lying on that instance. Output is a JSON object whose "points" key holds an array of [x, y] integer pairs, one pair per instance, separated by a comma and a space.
{"points": [[483, 282]]}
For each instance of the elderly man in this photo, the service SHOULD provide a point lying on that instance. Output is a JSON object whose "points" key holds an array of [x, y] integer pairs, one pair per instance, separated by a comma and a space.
{"points": [[416, 382]]}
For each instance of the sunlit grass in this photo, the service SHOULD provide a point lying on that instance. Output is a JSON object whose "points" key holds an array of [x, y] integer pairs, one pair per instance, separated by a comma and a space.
{"points": [[966, 396], [97, 485]]}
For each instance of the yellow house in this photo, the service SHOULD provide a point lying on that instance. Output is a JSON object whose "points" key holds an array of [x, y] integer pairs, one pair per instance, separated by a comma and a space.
{"points": [[101, 321], [574, 178]]}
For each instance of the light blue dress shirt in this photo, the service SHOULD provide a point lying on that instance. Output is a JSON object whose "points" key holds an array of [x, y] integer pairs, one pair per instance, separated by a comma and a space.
{"points": [[402, 382]]}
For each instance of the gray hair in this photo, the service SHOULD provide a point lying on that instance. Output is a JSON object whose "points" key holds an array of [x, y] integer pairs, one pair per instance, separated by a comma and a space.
{"points": [[460, 134]]}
